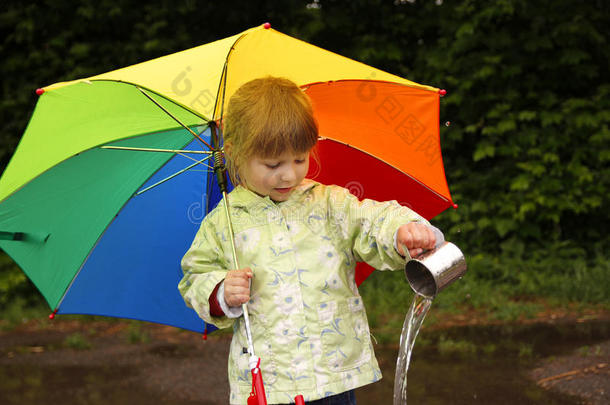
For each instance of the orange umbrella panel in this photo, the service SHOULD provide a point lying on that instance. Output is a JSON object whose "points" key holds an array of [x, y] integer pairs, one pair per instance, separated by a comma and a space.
{"points": [[395, 123]]}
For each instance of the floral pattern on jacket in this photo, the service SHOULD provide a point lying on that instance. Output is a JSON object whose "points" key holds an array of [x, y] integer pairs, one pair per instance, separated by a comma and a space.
{"points": [[308, 321]]}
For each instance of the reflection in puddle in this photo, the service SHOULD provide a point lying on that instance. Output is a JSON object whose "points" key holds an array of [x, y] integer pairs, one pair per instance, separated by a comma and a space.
{"points": [[26, 384], [486, 365]]}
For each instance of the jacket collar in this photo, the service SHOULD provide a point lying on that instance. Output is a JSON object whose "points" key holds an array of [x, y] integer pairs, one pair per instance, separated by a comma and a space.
{"points": [[242, 197]]}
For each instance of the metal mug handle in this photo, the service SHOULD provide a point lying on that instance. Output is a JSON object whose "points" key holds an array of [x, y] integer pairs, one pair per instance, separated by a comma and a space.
{"points": [[432, 271]]}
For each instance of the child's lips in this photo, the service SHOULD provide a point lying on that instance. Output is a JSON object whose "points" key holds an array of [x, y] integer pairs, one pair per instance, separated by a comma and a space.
{"points": [[284, 190]]}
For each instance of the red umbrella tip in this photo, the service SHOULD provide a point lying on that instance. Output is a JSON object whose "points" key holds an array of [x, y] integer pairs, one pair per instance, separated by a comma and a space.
{"points": [[39, 91], [52, 315], [454, 206], [442, 92], [267, 25]]}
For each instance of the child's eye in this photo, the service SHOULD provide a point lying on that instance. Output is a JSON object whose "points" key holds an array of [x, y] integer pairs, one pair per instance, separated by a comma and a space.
{"points": [[272, 165], [300, 161]]}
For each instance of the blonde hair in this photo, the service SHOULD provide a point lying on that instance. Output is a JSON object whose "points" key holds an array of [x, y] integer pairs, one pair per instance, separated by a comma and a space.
{"points": [[267, 117]]}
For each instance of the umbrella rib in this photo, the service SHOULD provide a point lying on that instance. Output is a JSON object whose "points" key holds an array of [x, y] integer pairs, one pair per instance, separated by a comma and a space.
{"points": [[173, 117], [175, 174], [183, 153], [197, 161], [176, 151], [222, 85], [179, 151]]}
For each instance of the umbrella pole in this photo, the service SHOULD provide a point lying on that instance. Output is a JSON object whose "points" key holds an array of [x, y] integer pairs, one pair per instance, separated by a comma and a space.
{"points": [[257, 396], [236, 265]]}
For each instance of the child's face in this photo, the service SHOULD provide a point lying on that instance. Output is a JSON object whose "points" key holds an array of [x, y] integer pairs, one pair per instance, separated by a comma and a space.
{"points": [[276, 177]]}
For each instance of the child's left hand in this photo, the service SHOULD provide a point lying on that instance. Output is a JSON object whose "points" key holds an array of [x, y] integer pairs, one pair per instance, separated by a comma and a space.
{"points": [[416, 237]]}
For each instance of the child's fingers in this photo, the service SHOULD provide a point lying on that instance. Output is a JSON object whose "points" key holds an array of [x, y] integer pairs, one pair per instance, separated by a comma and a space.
{"points": [[235, 300], [242, 274], [428, 239], [237, 281], [236, 294], [404, 239], [416, 237], [246, 271], [415, 252], [424, 237], [237, 286]]}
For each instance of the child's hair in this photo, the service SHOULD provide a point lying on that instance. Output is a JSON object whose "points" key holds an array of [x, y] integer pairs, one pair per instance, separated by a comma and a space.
{"points": [[267, 117]]}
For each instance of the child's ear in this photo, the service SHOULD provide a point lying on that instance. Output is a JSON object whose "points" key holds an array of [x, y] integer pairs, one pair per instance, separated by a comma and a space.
{"points": [[227, 149]]}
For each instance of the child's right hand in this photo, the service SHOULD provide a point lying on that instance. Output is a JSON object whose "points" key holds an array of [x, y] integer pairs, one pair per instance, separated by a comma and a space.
{"points": [[237, 286]]}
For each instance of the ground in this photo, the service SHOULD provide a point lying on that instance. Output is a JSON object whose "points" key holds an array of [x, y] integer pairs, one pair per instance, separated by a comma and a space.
{"points": [[161, 363], [584, 375], [150, 358]]}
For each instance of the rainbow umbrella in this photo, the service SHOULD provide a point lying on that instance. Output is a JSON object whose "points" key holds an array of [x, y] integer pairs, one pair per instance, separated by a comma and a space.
{"points": [[111, 179]]}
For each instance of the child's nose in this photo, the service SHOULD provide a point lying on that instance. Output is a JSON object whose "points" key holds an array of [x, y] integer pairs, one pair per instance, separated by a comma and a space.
{"points": [[288, 174]]}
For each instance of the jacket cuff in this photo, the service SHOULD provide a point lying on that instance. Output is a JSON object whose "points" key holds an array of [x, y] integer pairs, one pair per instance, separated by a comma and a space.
{"points": [[215, 308]]}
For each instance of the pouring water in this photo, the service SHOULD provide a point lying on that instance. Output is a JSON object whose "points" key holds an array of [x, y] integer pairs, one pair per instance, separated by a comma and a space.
{"points": [[427, 275]]}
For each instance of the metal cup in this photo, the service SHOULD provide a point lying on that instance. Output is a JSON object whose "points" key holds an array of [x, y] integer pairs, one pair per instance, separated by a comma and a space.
{"points": [[432, 271]]}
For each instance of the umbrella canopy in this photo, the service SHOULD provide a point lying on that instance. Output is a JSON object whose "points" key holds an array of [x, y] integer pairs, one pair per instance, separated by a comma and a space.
{"points": [[107, 188]]}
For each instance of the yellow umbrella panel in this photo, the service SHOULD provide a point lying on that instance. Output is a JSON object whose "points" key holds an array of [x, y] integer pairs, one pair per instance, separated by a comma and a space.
{"points": [[389, 117]]}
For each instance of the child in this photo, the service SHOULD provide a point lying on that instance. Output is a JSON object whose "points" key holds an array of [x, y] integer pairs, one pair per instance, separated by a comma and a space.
{"points": [[298, 242]]}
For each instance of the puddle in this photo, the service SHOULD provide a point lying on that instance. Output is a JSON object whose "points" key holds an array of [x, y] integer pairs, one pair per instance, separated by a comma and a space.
{"points": [[32, 384], [172, 351], [486, 365]]}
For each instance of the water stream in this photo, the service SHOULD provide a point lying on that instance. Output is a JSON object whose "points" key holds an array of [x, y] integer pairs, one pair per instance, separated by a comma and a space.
{"points": [[413, 321]]}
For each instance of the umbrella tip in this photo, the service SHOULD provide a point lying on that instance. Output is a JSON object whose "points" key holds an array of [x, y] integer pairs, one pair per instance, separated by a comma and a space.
{"points": [[52, 316], [204, 335], [454, 206], [267, 25], [39, 91], [442, 92]]}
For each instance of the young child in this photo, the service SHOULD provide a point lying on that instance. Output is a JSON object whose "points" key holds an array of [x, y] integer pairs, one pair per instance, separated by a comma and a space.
{"points": [[298, 242]]}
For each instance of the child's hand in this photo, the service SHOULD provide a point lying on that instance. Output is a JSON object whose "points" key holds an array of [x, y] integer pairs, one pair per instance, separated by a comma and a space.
{"points": [[416, 237], [237, 287]]}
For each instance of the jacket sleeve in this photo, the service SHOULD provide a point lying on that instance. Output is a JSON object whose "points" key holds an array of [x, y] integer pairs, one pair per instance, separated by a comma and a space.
{"points": [[204, 265], [369, 226]]}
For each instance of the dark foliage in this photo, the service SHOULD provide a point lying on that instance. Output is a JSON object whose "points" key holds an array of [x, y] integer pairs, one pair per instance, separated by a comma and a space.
{"points": [[527, 152]]}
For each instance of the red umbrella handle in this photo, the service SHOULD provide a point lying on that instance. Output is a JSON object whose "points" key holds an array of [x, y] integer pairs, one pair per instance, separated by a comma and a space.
{"points": [[257, 395]]}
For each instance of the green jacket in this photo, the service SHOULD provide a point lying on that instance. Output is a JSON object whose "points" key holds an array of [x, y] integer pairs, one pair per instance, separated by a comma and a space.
{"points": [[308, 321]]}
